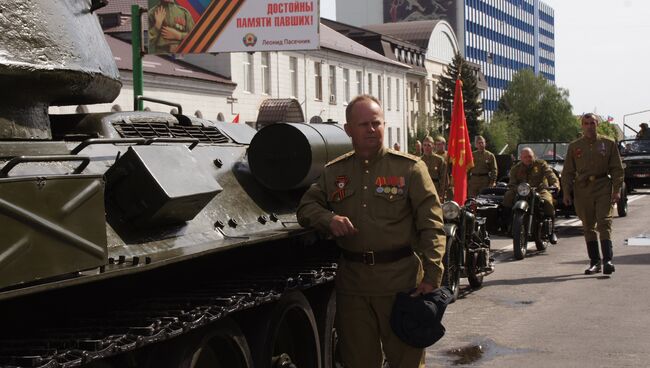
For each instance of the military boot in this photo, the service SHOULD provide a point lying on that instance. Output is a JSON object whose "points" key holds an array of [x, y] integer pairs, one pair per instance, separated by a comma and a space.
{"points": [[553, 237], [608, 254], [594, 258]]}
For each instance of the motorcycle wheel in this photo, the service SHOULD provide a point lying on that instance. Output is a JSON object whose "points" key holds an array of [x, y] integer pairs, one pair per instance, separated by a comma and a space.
{"points": [[451, 262], [473, 273], [541, 242], [519, 235], [621, 205]]}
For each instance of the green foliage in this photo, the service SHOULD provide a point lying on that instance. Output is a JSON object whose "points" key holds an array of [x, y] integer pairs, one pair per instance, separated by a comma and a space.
{"points": [[502, 131], [426, 125], [538, 108], [445, 96], [608, 129]]}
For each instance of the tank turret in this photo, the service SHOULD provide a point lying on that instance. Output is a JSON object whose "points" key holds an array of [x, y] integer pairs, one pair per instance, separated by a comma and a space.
{"points": [[51, 53]]}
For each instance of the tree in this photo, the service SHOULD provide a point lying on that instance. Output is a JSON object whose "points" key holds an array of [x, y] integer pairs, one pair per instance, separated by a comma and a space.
{"points": [[502, 133], [445, 95], [539, 109]]}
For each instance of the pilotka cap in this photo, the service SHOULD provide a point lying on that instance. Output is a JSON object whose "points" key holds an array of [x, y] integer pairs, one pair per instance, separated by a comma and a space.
{"points": [[417, 320]]}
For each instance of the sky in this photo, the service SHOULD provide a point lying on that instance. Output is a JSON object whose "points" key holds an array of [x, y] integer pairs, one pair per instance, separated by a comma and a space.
{"points": [[602, 54]]}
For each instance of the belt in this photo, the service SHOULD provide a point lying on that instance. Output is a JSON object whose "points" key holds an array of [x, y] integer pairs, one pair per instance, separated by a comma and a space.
{"points": [[486, 174], [371, 257], [594, 177]]}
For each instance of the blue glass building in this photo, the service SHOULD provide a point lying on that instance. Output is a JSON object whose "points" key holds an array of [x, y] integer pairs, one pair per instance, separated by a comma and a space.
{"points": [[504, 36]]}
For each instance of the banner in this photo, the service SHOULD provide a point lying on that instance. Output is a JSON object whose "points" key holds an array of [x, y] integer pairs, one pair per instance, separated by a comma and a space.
{"points": [[210, 26], [460, 149]]}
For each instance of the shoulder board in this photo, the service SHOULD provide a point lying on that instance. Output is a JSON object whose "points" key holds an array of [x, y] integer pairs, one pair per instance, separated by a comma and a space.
{"points": [[605, 138], [343, 157], [403, 154]]}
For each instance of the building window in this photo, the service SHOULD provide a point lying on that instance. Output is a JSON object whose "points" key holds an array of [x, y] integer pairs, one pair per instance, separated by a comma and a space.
{"points": [[346, 84], [370, 84], [398, 93], [266, 73], [332, 84], [390, 137], [293, 71], [248, 73], [318, 81], [380, 88], [389, 99], [359, 83]]}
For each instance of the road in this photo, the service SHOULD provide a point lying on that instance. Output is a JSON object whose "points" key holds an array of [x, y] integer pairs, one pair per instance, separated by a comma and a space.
{"points": [[544, 312]]}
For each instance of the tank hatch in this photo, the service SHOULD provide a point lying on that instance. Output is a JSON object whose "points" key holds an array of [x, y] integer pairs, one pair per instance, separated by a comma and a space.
{"points": [[51, 53]]}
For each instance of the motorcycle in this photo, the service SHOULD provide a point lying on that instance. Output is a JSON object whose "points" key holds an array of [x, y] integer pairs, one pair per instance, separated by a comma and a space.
{"points": [[467, 252], [529, 221]]}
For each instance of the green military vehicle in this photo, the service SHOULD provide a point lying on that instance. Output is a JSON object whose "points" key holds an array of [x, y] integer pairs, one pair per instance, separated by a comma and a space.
{"points": [[144, 239]]}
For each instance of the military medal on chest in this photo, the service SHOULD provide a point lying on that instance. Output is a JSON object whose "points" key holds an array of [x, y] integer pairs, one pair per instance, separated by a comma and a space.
{"points": [[390, 184], [602, 149], [578, 152], [341, 182]]}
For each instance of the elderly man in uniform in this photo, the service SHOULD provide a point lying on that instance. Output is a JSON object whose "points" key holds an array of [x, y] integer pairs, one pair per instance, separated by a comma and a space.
{"points": [[381, 205], [436, 164], [440, 145], [537, 174], [593, 172], [169, 24], [484, 173]]}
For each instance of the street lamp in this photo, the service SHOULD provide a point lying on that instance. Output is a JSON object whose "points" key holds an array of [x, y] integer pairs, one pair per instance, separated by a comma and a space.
{"points": [[632, 113]]}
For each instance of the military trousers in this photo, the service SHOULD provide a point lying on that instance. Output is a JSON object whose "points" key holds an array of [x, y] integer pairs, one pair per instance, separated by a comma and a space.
{"points": [[594, 208], [476, 183], [363, 327]]}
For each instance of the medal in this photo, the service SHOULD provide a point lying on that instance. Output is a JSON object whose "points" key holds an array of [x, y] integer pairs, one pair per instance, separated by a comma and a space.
{"points": [[380, 190], [393, 190]]}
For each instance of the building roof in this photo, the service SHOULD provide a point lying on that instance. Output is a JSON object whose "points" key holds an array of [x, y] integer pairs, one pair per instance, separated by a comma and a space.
{"points": [[334, 40], [123, 7], [152, 64], [417, 32], [275, 110]]}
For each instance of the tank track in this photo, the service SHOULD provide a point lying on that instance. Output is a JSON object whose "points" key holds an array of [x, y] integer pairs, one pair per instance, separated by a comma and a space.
{"points": [[155, 318]]}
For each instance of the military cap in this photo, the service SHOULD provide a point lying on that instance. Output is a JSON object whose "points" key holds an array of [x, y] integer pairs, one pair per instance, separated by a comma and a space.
{"points": [[440, 139], [428, 139], [417, 320]]}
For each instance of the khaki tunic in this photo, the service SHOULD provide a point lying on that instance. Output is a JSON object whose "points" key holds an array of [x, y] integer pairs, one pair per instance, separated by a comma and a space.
{"points": [[483, 174], [438, 171], [449, 193], [404, 212], [539, 173], [592, 172], [176, 17]]}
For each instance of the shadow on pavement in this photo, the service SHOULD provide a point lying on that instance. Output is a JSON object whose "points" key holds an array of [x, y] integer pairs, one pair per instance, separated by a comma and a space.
{"points": [[628, 259], [538, 280]]}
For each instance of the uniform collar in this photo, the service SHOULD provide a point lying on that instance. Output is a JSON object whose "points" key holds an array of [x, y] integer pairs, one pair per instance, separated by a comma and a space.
{"points": [[378, 156]]}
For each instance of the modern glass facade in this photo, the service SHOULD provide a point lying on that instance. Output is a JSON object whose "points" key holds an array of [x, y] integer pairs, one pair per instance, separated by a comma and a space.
{"points": [[504, 36]]}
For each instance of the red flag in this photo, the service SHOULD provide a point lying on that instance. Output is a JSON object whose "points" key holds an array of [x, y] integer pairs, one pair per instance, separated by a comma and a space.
{"points": [[236, 119], [460, 149]]}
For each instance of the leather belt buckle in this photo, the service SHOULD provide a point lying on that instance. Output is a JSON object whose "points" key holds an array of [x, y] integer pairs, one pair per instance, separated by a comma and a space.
{"points": [[368, 258]]}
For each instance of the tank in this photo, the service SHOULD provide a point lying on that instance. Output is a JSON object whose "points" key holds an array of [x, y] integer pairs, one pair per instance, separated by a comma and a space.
{"points": [[145, 239]]}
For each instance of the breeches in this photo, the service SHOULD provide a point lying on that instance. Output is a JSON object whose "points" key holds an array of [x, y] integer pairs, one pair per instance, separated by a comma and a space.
{"points": [[476, 183], [363, 327], [595, 211]]}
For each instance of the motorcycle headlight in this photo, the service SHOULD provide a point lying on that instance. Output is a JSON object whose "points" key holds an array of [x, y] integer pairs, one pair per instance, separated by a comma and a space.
{"points": [[450, 210], [523, 189]]}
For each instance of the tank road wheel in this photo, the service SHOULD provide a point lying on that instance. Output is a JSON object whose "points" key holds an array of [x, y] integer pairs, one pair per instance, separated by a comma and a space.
{"points": [[621, 205], [285, 336], [323, 301], [519, 235], [451, 262], [221, 346]]}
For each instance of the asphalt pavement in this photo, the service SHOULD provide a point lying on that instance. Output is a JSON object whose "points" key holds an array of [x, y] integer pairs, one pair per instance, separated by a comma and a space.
{"points": [[543, 311]]}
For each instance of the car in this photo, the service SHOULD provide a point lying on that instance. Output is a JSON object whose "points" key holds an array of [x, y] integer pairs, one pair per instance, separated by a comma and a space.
{"points": [[635, 154]]}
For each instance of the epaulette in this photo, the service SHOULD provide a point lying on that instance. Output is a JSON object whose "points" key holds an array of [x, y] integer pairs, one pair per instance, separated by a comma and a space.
{"points": [[403, 154], [340, 158]]}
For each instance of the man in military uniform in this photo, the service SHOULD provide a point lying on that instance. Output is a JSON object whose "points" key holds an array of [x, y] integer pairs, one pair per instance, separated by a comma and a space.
{"points": [[593, 172], [436, 165], [644, 133], [484, 173], [381, 205], [537, 174], [169, 23], [440, 145]]}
